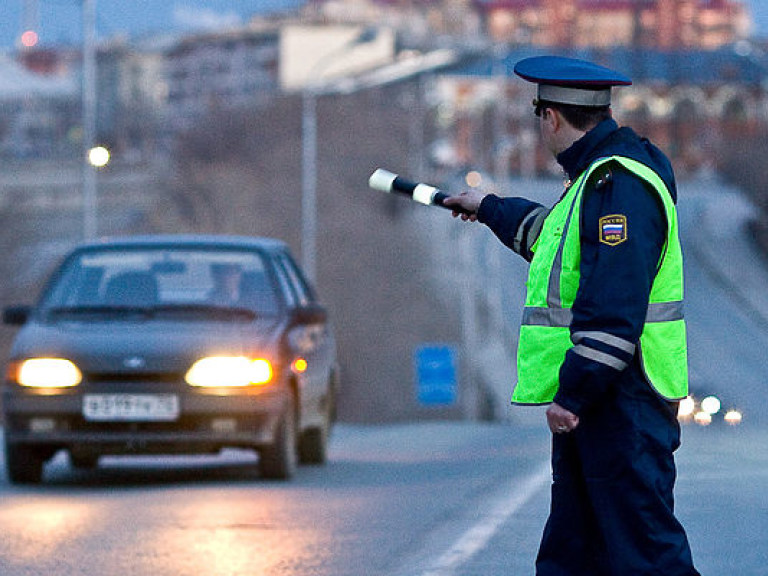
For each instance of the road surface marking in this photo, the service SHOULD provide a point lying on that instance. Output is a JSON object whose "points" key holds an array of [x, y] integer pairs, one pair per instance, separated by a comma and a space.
{"points": [[477, 537]]}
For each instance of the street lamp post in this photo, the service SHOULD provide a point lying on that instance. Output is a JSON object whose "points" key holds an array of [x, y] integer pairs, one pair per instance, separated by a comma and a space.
{"points": [[89, 118], [310, 96], [309, 183]]}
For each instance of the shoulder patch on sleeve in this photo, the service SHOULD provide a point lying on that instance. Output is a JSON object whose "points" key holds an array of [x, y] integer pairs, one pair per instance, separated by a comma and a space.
{"points": [[613, 229]]}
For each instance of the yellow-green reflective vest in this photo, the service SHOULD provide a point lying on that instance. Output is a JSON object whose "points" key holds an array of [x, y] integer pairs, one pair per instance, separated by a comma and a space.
{"points": [[553, 280]]}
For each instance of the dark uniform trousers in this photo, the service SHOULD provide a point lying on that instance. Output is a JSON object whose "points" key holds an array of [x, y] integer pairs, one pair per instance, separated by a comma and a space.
{"points": [[612, 503]]}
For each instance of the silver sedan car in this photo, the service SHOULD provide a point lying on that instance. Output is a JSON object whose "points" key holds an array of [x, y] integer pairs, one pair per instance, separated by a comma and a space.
{"points": [[171, 344]]}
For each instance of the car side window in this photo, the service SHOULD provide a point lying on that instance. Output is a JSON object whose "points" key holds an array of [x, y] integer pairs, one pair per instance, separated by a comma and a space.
{"points": [[303, 293], [291, 298]]}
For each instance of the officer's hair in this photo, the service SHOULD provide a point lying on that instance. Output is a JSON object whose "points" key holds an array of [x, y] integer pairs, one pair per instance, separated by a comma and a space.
{"points": [[580, 117]]}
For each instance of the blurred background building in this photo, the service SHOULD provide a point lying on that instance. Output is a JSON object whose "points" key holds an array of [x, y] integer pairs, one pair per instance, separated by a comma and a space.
{"points": [[657, 24], [692, 59]]}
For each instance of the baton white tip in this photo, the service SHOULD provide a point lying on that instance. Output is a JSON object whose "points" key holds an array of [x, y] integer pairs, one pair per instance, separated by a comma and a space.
{"points": [[382, 180]]}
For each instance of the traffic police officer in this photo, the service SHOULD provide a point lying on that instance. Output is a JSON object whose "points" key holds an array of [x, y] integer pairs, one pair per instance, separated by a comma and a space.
{"points": [[602, 339]]}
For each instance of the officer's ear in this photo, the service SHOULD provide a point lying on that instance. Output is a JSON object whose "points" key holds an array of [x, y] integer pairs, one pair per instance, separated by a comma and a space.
{"points": [[553, 117]]}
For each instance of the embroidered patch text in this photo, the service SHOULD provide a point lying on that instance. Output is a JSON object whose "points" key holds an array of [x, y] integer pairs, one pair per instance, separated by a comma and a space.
{"points": [[613, 229]]}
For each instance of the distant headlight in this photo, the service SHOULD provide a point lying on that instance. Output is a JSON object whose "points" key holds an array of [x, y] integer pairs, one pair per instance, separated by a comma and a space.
{"points": [[733, 417], [702, 418], [226, 371], [686, 407], [46, 373], [711, 405]]}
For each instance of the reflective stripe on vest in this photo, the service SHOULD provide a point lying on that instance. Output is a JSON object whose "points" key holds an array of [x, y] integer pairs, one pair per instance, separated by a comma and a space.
{"points": [[553, 281]]}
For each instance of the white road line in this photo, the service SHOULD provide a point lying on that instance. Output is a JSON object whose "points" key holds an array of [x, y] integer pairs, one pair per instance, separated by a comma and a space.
{"points": [[477, 537]]}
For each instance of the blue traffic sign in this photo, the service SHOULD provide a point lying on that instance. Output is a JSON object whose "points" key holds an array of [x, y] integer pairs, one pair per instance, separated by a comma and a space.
{"points": [[436, 381]]}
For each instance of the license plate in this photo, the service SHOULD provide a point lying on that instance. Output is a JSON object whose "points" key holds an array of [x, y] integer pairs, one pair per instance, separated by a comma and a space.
{"points": [[131, 407]]}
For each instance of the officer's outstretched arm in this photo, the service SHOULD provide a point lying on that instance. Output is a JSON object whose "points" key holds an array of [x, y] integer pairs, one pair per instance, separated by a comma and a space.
{"points": [[516, 222]]}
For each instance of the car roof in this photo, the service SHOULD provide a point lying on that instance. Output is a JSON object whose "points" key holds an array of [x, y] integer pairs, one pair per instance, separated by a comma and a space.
{"points": [[185, 241]]}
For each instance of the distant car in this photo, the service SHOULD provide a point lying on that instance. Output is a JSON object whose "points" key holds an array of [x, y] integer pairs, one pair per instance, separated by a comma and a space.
{"points": [[171, 345]]}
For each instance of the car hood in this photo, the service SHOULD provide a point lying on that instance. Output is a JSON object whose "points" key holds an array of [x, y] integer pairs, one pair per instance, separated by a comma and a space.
{"points": [[144, 346]]}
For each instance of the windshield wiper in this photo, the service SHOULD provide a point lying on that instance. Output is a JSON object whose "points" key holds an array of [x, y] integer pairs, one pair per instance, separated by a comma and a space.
{"points": [[214, 310], [109, 310], [218, 311]]}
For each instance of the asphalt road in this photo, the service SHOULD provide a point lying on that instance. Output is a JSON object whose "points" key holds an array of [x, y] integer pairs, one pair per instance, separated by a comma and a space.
{"points": [[385, 495], [422, 499], [429, 499]]}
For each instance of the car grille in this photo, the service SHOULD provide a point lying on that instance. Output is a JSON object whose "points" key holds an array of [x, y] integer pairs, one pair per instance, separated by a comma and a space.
{"points": [[186, 423], [133, 377]]}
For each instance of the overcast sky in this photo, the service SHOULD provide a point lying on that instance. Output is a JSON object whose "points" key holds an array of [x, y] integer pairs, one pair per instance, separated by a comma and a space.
{"points": [[759, 10], [60, 19]]}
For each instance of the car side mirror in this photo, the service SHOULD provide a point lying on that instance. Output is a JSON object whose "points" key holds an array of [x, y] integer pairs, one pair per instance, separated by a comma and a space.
{"points": [[310, 314], [17, 315]]}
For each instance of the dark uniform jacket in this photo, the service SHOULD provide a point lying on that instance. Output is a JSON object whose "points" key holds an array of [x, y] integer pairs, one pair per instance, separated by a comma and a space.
{"points": [[615, 280]]}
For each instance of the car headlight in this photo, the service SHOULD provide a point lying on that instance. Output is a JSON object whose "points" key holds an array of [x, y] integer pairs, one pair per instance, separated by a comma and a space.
{"points": [[224, 371], [46, 373]]}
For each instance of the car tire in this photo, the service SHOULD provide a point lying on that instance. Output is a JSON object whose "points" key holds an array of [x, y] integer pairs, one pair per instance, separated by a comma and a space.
{"points": [[313, 445], [24, 464], [279, 461]]}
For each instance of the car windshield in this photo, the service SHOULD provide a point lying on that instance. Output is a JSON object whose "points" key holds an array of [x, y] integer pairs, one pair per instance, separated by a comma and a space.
{"points": [[227, 283]]}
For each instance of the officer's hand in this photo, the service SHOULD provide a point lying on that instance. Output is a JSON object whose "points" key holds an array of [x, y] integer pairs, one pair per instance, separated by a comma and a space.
{"points": [[469, 200], [560, 420]]}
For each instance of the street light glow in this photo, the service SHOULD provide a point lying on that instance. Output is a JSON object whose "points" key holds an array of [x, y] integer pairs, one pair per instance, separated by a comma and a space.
{"points": [[98, 156], [474, 179], [29, 39]]}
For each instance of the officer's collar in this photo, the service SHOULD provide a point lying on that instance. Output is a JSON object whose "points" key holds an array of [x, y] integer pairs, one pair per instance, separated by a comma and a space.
{"points": [[575, 159]]}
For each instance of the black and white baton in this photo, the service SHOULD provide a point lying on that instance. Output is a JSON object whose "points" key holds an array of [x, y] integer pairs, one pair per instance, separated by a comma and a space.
{"points": [[386, 181]]}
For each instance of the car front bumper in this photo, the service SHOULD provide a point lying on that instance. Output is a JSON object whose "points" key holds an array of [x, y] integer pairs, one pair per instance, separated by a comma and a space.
{"points": [[207, 421]]}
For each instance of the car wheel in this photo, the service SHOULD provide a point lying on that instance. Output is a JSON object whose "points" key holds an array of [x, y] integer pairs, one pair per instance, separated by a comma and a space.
{"points": [[279, 461], [24, 464], [313, 445], [312, 448]]}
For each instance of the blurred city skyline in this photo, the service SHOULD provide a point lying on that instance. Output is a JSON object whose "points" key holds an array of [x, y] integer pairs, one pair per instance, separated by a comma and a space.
{"points": [[59, 20]]}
